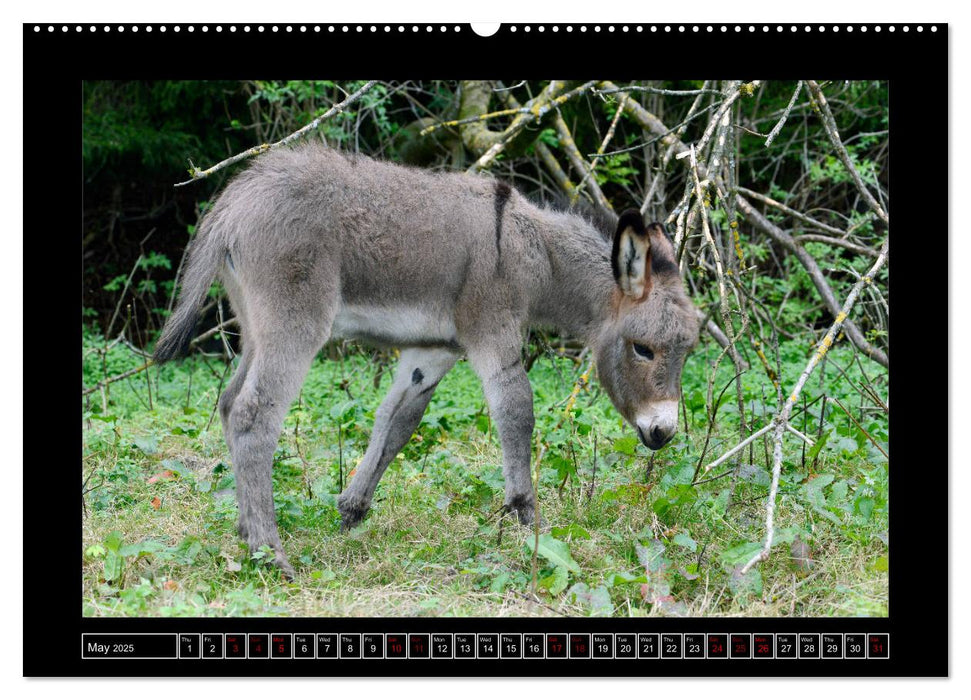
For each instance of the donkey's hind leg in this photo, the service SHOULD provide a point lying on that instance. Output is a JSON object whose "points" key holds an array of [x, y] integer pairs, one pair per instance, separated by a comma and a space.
{"points": [[419, 372], [255, 421], [229, 396], [276, 357]]}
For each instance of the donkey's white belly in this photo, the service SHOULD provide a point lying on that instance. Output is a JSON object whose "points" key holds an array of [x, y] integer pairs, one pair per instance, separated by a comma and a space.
{"points": [[394, 325]]}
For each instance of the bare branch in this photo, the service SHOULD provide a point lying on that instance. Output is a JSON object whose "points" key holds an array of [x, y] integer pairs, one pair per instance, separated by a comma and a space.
{"points": [[719, 336], [264, 147], [651, 123], [745, 89], [579, 164], [535, 108], [792, 212], [719, 271], [657, 91], [781, 421], [117, 378], [815, 274], [739, 446], [829, 124], [785, 115], [603, 146], [842, 243]]}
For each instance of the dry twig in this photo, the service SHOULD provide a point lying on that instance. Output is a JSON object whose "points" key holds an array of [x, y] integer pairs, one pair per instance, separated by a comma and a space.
{"points": [[829, 124], [198, 174], [781, 421]]}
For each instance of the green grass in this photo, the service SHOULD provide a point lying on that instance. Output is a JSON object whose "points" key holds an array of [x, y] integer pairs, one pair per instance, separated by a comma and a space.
{"points": [[159, 535]]}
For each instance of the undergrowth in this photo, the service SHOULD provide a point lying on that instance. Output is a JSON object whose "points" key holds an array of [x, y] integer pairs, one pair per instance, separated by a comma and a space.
{"points": [[632, 533]]}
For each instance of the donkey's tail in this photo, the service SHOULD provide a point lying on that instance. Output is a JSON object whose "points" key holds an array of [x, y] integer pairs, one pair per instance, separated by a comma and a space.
{"points": [[205, 256]]}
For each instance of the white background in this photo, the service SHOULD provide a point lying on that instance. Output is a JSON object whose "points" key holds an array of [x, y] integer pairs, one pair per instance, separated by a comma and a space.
{"points": [[935, 135]]}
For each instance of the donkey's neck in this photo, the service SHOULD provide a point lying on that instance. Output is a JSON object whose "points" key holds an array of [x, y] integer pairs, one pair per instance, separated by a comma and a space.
{"points": [[578, 296]]}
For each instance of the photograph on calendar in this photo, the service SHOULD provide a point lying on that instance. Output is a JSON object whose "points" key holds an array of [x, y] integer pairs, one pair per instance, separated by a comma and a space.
{"points": [[485, 348]]}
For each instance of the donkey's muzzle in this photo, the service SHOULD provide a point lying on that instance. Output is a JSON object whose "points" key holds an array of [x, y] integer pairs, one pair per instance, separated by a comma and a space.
{"points": [[656, 439], [658, 423]]}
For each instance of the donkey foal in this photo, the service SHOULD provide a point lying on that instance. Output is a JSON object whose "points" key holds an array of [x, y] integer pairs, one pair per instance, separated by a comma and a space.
{"points": [[312, 244]]}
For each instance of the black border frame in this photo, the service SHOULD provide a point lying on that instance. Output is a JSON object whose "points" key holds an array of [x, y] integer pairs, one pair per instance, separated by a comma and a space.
{"points": [[55, 62]]}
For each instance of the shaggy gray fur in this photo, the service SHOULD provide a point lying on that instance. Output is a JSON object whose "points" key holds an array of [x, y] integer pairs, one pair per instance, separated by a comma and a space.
{"points": [[312, 244]]}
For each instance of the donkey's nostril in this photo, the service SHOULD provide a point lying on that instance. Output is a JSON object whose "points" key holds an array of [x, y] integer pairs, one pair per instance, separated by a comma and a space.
{"points": [[660, 437], [655, 438]]}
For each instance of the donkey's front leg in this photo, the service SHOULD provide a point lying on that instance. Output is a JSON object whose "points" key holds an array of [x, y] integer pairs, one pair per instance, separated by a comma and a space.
{"points": [[419, 372], [510, 399]]}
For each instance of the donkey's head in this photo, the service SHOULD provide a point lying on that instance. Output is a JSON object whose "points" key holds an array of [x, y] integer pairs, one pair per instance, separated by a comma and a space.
{"points": [[652, 326]]}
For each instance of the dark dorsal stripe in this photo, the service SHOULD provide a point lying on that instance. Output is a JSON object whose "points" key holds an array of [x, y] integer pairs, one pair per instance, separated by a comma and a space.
{"points": [[503, 191]]}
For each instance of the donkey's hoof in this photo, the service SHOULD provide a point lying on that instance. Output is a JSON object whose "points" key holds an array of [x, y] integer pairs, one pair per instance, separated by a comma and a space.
{"points": [[531, 519], [526, 513], [351, 519], [280, 561], [351, 514]]}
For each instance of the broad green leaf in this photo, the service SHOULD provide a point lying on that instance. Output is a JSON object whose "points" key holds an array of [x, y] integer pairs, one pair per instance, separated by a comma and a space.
{"points": [[554, 551], [556, 582], [864, 506], [812, 493], [651, 556], [499, 583], [141, 548], [846, 445], [821, 481], [113, 541], [683, 540], [146, 443], [656, 565], [786, 535], [749, 584], [573, 531], [482, 423], [624, 577], [626, 445], [176, 467], [597, 600], [114, 565], [739, 555]]}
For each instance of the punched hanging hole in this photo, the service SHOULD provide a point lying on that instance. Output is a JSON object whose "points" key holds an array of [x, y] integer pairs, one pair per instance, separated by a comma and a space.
{"points": [[486, 28]]}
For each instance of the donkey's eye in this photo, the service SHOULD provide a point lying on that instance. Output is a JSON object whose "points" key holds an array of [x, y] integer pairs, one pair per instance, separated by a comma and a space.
{"points": [[644, 351]]}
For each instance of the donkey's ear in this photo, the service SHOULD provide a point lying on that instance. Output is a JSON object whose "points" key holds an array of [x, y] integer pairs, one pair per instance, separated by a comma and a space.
{"points": [[631, 258]]}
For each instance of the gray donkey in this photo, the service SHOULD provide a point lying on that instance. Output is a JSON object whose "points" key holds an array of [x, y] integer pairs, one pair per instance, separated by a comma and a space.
{"points": [[312, 244]]}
